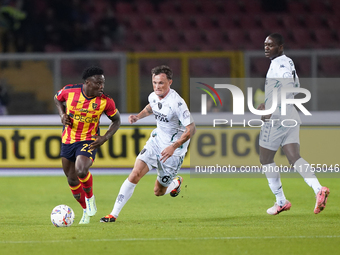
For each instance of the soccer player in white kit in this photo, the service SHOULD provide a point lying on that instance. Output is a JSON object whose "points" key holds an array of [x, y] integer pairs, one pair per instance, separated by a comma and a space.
{"points": [[282, 74], [167, 144]]}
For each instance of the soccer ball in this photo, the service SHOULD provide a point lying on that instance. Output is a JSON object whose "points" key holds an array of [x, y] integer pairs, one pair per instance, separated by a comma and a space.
{"points": [[62, 216]]}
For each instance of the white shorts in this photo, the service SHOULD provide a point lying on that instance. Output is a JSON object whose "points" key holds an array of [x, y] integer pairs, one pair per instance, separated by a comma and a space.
{"points": [[273, 137], [167, 170]]}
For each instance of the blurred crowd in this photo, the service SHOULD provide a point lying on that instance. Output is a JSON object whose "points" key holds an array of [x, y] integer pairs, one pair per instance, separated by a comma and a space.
{"points": [[55, 25]]}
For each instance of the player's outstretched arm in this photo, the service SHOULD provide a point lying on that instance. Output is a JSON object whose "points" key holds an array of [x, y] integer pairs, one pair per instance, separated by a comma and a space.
{"points": [[190, 130], [144, 113], [115, 124]]}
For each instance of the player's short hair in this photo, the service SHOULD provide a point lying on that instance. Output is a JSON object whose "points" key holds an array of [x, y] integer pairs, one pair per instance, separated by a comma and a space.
{"points": [[162, 69], [92, 70], [278, 38]]}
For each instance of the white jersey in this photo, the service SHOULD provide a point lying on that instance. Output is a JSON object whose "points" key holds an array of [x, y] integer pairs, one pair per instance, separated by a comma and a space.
{"points": [[281, 73], [172, 116]]}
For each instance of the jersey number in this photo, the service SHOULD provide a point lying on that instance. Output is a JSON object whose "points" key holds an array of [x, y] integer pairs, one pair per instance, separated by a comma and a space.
{"points": [[86, 148]]}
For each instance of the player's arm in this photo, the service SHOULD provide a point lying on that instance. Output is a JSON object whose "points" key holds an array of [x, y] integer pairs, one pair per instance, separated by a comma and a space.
{"points": [[114, 126], [190, 130], [65, 119], [143, 113]]}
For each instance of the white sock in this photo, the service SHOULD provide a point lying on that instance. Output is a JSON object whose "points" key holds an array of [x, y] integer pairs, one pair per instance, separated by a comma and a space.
{"points": [[274, 182], [125, 192], [304, 169], [174, 184]]}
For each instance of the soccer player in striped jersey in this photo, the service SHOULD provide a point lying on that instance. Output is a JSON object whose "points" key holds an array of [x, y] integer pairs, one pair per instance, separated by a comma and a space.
{"points": [[282, 74], [80, 107], [167, 144]]}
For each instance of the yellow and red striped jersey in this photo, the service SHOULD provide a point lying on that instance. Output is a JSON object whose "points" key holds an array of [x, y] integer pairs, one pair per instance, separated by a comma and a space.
{"points": [[84, 112]]}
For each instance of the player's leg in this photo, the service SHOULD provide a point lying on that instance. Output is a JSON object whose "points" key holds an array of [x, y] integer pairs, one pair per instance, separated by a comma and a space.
{"points": [[173, 188], [292, 152], [84, 160], [73, 181], [274, 181], [126, 190], [76, 187], [167, 181]]}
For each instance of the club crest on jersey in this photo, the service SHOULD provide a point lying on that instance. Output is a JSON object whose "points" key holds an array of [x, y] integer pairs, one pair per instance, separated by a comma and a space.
{"points": [[159, 105], [94, 105]]}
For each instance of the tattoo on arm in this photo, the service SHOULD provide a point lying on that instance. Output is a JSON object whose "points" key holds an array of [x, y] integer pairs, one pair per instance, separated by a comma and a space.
{"points": [[148, 108]]}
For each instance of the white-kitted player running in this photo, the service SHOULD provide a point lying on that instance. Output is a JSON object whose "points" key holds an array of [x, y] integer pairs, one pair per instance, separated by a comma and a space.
{"points": [[282, 74], [167, 145]]}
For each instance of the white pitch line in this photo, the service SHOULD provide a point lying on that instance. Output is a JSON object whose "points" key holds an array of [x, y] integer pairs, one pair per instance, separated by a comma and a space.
{"points": [[170, 239]]}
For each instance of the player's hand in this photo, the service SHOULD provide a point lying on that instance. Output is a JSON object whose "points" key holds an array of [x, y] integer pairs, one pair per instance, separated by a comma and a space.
{"points": [[265, 117], [98, 142], [261, 107], [66, 120], [133, 119], [167, 153]]}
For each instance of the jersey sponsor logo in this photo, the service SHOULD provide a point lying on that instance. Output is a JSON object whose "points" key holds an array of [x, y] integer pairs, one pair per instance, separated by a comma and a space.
{"points": [[85, 119], [161, 117], [82, 110]]}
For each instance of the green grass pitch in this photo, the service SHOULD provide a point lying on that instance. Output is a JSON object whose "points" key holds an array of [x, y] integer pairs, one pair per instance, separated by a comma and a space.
{"points": [[210, 216]]}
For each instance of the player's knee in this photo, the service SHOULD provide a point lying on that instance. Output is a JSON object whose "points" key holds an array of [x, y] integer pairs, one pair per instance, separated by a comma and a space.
{"points": [[81, 172]]}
